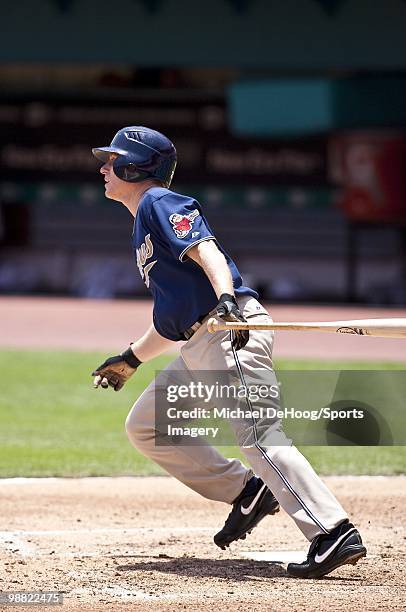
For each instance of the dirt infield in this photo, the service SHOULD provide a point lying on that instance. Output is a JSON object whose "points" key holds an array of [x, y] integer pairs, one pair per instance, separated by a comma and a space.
{"points": [[109, 324], [146, 544]]}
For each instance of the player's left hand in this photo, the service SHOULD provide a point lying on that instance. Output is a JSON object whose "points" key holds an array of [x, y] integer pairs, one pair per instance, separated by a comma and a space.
{"points": [[115, 371], [228, 310]]}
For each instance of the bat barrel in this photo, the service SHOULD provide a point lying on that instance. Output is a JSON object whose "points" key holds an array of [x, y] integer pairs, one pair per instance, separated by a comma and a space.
{"points": [[384, 328]]}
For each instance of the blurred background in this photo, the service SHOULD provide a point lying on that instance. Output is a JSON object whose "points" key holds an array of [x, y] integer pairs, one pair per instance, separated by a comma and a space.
{"points": [[290, 124]]}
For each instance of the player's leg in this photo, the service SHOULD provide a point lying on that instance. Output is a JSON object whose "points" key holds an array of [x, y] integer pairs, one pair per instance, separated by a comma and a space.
{"points": [[298, 488], [199, 466]]}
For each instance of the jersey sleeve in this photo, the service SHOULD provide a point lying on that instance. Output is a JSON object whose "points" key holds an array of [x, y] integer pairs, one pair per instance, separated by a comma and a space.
{"points": [[179, 222]]}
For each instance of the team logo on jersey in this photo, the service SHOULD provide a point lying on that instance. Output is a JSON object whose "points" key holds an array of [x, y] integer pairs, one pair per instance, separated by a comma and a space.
{"points": [[145, 251], [182, 224]]}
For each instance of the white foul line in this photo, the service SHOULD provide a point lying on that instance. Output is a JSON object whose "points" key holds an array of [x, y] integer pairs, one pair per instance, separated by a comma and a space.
{"points": [[102, 530], [13, 541]]}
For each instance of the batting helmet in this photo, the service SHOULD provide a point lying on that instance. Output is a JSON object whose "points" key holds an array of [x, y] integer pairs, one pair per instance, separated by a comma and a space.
{"points": [[142, 153]]}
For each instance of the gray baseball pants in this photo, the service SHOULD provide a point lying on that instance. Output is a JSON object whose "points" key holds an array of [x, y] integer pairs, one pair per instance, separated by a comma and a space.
{"points": [[299, 490]]}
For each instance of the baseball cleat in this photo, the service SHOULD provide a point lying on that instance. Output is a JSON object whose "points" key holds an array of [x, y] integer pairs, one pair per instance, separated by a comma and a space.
{"points": [[329, 551], [247, 512]]}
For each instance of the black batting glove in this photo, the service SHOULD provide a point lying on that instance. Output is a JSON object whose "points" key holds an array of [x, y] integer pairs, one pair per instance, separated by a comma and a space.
{"points": [[115, 371], [228, 310]]}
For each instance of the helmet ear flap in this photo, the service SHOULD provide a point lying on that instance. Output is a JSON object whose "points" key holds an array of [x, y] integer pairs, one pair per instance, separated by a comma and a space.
{"points": [[128, 172]]}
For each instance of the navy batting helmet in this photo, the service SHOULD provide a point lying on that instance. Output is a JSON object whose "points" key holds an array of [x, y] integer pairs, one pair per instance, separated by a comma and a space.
{"points": [[142, 153]]}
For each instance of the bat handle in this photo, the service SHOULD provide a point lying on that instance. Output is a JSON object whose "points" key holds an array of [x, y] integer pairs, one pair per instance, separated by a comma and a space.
{"points": [[213, 325]]}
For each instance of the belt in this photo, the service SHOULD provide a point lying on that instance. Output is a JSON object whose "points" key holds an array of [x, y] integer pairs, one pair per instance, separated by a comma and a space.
{"points": [[188, 333]]}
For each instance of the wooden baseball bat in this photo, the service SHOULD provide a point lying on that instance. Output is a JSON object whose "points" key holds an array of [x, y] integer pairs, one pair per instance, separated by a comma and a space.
{"points": [[382, 328]]}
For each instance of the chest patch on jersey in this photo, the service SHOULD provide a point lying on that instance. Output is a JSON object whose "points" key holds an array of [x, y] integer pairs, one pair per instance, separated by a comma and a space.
{"points": [[182, 224], [144, 253]]}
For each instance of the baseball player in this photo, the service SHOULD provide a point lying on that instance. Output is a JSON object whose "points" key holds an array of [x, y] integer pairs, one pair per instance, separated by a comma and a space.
{"points": [[191, 278]]}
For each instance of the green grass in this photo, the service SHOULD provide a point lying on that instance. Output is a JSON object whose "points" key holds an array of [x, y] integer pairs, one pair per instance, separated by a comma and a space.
{"points": [[53, 423]]}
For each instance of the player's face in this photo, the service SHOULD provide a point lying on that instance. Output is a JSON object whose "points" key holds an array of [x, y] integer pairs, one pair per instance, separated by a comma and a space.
{"points": [[114, 187]]}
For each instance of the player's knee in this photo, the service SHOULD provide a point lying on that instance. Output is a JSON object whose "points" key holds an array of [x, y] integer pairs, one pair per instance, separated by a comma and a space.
{"points": [[138, 430], [286, 456], [133, 430]]}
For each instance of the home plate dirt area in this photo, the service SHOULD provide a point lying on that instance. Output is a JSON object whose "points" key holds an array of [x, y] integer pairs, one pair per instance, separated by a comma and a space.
{"points": [[147, 544]]}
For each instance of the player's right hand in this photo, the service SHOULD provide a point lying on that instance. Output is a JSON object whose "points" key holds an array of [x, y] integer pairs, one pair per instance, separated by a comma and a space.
{"points": [[115, 371], [228, 310]]}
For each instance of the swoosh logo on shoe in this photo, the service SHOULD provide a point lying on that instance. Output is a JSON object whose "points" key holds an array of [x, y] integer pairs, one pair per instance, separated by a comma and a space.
{"points": [[320, 558], [254, 501]]}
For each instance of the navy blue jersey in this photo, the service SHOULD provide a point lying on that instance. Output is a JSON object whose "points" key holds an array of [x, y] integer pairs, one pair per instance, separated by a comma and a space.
{"points": [[166, 225]]}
